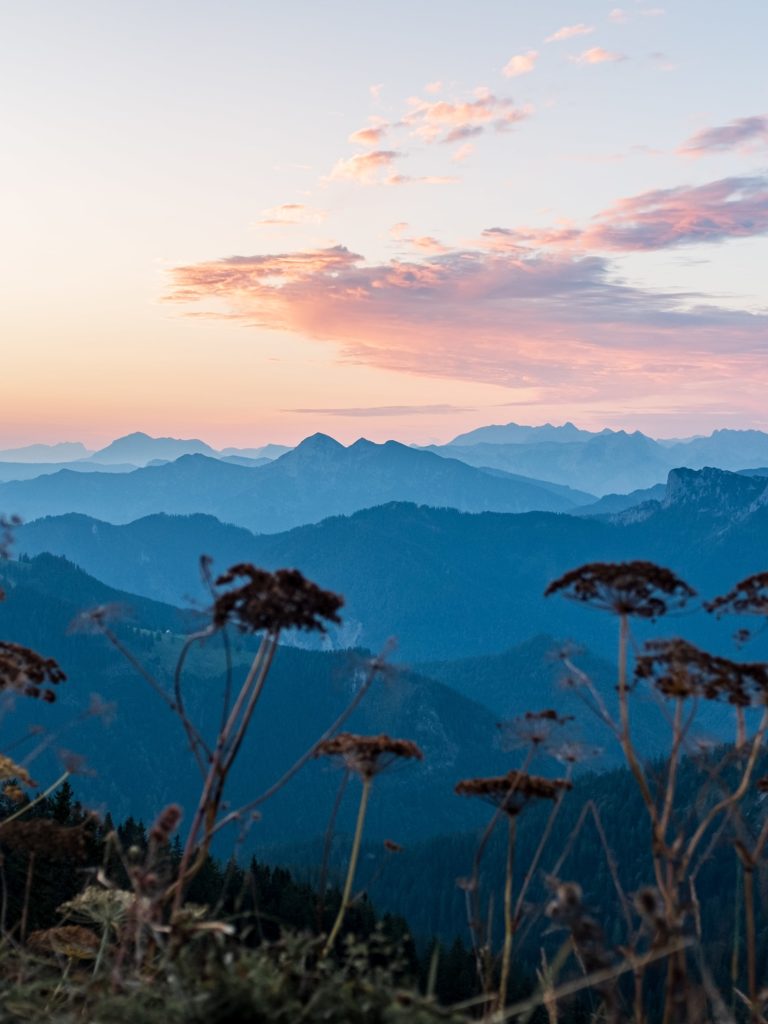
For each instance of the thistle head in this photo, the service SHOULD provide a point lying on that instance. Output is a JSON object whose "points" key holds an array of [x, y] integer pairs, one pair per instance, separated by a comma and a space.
{"points": [[640, 589]]}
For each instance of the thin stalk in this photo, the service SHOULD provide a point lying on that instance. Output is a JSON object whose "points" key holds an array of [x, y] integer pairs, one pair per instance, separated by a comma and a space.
{"points": [[750, 937], [323, 882], [509, 917], [27, 896], [351, 868]]}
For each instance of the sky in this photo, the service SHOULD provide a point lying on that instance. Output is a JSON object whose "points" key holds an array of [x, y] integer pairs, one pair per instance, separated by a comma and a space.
{"points": [[248, 221]]}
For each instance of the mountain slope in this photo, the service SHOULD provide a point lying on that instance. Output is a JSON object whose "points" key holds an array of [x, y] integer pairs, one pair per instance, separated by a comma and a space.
{"points": [[317, 479], [136, 755]]}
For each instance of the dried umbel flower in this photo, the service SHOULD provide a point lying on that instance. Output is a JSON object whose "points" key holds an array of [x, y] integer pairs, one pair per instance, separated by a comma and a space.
{"points": [[27, 672], [98, 618], [679, 669], [534, 728], [105, 907], [165, 824], [10, 770], [44, 838], [641, 589], [367, 756], [749, 597], [70, 940], [273, 601], [513, 791]]}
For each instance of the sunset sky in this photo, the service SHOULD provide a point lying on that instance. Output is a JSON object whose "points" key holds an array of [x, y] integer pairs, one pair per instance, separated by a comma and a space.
{"points": [[246, 221]]}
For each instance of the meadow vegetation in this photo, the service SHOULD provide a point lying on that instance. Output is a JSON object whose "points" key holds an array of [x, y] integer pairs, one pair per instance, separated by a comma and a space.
{"points": [[637, 895]]}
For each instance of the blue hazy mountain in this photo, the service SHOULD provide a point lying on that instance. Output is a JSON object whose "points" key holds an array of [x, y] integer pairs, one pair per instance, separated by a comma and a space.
{"points": [[139, 448], [447, 584], [603, 462], [317, 479], [64, 451], [305, 692], [31, 470]]}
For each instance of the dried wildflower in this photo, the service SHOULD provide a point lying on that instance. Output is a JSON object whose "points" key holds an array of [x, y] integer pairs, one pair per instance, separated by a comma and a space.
{"points": [[98, 618], [566, 909], [392, 847], [367, 755], [641, 589], [273, 601], [679, 669], [70, 940], [27, 672], [762, 784], [105, 907], [165, 824], [749, 597], [10, 770], [534, 728], [513, 791], [44, 838], [13, 792]]}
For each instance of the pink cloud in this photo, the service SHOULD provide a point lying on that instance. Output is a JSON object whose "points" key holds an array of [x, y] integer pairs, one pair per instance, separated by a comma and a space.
{"points": [[520, 64], [736, 134], [364, 167], [557, 326], [597, 55], [659, 219], [618, 16], [370, 136], [463, 152], [442, 121], [569, 32], [433, 87], [292, 213]]}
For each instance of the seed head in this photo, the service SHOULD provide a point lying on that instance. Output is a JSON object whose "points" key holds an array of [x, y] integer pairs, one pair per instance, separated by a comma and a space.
{"points": [[513, 791], [750, 597], [26, 672], [368, 755], [679, 669], [273, 601], [641, 589]]}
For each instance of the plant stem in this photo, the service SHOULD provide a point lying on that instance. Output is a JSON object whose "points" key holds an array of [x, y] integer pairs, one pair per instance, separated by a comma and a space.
{"points": [[351, 868], [509, 920]]}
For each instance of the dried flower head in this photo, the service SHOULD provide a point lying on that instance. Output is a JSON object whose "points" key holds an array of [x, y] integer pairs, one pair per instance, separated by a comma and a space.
{"points": [[513, 791], [273, 601], [44, 838], [749, 597], [98, 618], [27, 672], [10, 770], [392, 847], [70, 940], [679, 669], [641, 589], [165, 824], [105, 907], [762, 784], [367, 755], [534, 728]]}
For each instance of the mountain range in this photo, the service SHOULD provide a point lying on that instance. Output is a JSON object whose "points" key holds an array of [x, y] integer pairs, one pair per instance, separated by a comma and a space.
{"points": [[446, 584], [318, 478]]}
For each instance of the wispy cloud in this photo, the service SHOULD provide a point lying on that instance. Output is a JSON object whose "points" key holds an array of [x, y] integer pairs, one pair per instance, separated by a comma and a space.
{"points": [[742, 133], [618, 16], [520, 64], [364, 167], [372, 135], [658, 219], [569, 32], [597, 55], [443, 121], [292, 213], [546, 325], [388, 410]]}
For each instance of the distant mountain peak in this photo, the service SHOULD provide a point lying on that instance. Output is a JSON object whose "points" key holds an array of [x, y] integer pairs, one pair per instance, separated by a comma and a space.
{"points": [[318, 443], [713, 489]]}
